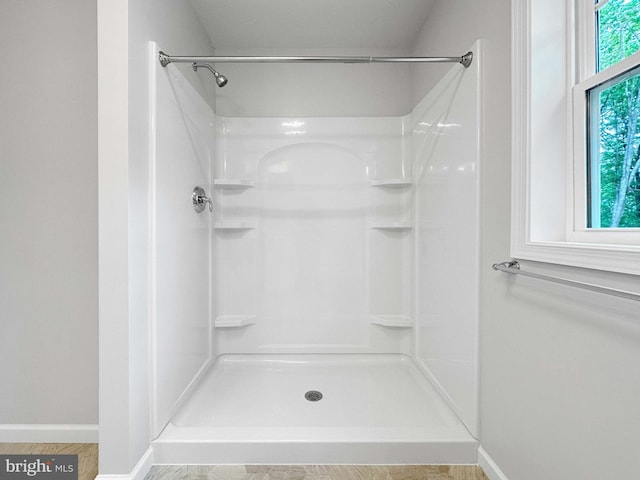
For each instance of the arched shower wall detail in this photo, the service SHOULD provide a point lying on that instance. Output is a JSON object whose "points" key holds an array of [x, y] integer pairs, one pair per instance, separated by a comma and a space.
{"points": [[310, 278]]}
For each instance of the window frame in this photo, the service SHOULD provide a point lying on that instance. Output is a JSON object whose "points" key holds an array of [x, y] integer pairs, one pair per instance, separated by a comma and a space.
{"points": [[589, 78], [559, 238], [580, 232]]}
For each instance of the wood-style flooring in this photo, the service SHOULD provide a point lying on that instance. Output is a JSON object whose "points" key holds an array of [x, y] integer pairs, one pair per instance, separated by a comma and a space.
{"points": [[87, 454], [88, 468], [316, 472]]}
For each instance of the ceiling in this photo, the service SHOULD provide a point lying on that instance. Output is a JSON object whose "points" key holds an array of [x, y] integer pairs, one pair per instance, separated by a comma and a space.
{"points": [[312, 23]]}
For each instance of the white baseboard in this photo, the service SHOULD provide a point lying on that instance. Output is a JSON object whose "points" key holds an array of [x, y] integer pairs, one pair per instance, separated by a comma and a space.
{"points": [[40, 433], [490, 467], [139, 471]]}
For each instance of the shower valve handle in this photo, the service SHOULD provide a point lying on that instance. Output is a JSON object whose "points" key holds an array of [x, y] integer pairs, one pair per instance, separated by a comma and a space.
{"points": [[200, 200]]}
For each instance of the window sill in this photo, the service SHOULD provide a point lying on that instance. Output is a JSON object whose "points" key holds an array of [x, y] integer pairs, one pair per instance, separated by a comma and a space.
{"points": [[609, 258]]}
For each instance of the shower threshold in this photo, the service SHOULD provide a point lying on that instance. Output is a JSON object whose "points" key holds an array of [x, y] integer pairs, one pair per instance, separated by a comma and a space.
{"points": [[315, 409]]}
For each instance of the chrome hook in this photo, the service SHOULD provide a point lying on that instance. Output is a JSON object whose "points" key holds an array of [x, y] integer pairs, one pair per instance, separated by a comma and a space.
{"points": [[200, 199]]}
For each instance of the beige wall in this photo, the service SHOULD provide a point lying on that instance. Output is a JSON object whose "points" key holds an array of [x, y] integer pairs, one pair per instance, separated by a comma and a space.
{"points": [[48, 213]]}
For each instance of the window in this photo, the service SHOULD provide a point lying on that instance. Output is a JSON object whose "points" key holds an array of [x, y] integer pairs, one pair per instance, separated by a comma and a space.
{"points": [[617, 30], [607, 119], [613, 155], [576, 133]]}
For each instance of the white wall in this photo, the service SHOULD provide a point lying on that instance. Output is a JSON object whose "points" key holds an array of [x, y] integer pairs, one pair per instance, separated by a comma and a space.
{"points": [[450, 29], [560, 389], [308, 90], [305, 270], [48, 213], [559, 366], [125, 29], [172, 24], [181, 157], [447, 166]]}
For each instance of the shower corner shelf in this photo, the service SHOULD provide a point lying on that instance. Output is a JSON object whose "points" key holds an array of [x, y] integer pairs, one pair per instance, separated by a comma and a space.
{"points": [[393, 321], [234, 183], [392, 182], [233, 226], [234, 321], [394, 225]]}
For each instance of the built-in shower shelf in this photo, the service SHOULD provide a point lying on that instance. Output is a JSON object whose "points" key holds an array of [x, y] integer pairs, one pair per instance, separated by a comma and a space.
{"points": [[234, 321], [393, 321], [233, 226], [392, 182], [234, 183], [397, 225]]}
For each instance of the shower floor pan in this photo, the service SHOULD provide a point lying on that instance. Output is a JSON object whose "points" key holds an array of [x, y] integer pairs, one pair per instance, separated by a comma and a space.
{"points": [[375, 409]]}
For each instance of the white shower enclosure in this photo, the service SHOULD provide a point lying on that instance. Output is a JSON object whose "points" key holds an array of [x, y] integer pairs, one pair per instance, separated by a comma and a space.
{"points": [[340, 258]]}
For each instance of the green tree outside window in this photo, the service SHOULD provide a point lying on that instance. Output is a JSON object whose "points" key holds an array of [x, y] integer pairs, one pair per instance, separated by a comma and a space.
{"points": [[615, 139]]}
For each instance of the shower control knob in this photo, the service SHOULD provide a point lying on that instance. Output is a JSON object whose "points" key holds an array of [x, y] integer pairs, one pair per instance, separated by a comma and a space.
{"points": [[200, 200]]}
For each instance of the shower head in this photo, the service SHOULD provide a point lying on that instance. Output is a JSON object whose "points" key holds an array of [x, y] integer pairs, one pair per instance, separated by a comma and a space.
{"points": [[221, 80]]}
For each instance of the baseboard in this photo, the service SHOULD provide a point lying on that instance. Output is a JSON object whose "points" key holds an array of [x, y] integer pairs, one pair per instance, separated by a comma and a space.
{"points": [[489, 466], [41, 433], [139, 471]]}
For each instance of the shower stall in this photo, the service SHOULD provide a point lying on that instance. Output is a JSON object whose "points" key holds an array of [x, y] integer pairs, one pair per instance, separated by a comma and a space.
{"points": [[314, 279]]}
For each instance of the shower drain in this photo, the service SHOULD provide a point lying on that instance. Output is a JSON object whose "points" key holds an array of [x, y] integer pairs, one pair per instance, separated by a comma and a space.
{"points": [[313, 395]]}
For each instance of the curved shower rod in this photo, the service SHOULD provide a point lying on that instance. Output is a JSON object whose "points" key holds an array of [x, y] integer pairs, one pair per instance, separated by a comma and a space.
{"points": [[165, 59]]}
